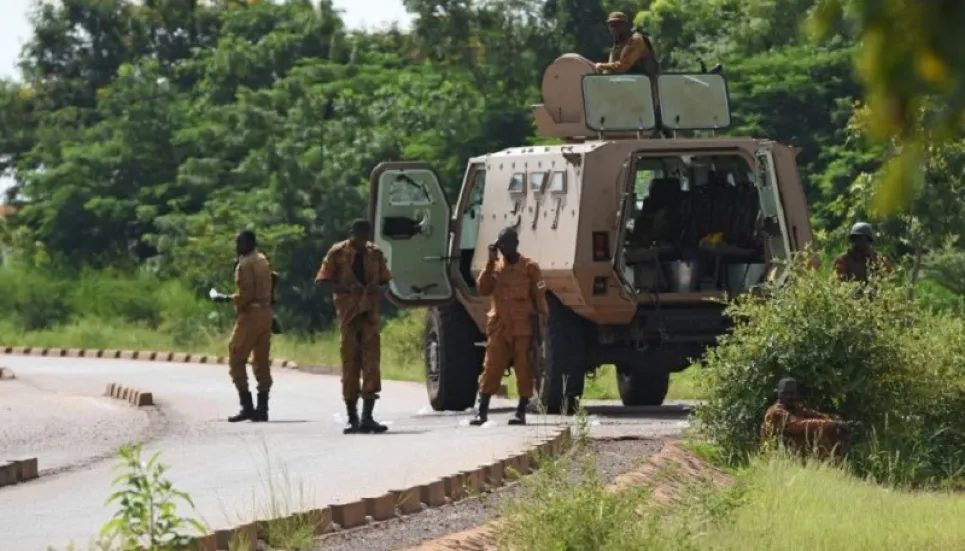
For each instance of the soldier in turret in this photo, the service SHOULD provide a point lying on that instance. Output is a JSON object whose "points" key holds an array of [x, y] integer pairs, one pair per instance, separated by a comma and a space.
{"points": [[632, 52]]}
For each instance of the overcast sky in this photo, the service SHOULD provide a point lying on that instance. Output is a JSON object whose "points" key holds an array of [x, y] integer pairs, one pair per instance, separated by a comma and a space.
{"points": [[15, 29]]}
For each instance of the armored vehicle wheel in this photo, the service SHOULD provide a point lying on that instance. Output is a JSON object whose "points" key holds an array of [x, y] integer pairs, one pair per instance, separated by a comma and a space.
{"points": [[453, 362], [642, 388], [562, 378]]}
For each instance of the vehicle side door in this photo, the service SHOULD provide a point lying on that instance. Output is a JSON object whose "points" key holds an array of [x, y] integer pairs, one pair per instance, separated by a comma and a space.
{"points": [[411, 219]]}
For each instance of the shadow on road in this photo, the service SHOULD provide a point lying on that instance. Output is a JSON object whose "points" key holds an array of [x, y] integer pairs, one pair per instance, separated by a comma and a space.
{"points": [[391, 432], [674, 411]]}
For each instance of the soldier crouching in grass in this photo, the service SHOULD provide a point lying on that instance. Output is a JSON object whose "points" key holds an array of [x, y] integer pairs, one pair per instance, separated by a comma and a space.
{"points": [[803, 430], [515, 285], [356, 271]]}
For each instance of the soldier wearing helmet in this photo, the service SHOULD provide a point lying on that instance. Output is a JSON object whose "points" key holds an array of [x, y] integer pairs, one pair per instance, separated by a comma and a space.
{"points": [[632, 52], [801, 429], [854, 264]]}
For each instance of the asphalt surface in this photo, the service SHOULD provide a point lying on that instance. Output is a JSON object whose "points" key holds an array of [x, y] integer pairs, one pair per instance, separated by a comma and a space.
{"points": [[55, 410]]}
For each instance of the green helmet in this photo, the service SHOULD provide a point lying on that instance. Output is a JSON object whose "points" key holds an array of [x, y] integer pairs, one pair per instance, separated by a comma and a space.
{"points": [[863, 229]]}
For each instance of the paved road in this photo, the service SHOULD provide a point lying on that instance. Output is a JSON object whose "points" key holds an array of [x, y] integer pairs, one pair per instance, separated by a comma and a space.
{"points": [[55, 411]]}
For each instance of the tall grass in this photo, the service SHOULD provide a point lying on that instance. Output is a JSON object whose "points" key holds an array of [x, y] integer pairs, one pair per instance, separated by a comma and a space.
{"points": [[818, 507], [774, 503]]}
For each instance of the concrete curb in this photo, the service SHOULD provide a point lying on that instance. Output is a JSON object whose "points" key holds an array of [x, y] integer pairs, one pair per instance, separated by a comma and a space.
{"points": [[397, 503], [17, 471], [140, 355], [133, 396]]}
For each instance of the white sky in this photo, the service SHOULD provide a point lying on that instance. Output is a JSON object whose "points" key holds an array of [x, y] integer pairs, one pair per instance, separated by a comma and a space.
{"points": [[15, 29]]}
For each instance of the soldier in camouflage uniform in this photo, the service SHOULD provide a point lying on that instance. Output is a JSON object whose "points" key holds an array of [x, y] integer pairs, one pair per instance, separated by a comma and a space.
{"points": [[801, 429], [632, 52], [356, 272], [515, 284], [861, 259]]}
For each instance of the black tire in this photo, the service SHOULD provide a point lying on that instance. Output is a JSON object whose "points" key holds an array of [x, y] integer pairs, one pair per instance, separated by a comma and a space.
{"points": [[642, 388], [566, 359], [453, 362]]}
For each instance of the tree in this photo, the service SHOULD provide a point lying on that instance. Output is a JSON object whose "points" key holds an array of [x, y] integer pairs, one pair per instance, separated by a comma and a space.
{"points": [[900, 74]]}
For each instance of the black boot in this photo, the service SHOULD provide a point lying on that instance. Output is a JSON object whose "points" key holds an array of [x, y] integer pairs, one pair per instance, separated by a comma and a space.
{"points": [[520, 417], [247, 412], [261, 412], [368, 425], [351, 406], [483, 414]]}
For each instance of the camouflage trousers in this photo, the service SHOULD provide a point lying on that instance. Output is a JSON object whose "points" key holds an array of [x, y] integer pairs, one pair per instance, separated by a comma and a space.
{"points": [[251, 338], [360, 350], [501, 350]]}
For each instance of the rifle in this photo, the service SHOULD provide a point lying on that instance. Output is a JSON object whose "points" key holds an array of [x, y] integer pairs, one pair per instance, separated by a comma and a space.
{"points": [[275, 324], [536, 349]]}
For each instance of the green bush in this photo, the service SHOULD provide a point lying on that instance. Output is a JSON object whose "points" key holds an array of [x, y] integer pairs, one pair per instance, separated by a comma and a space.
{"points": [[36, 300], [878, 359], [32, 300], [403, 336]]}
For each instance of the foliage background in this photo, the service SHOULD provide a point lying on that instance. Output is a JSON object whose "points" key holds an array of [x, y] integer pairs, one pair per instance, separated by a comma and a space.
{"points": [[891, 367], [143, 136]]}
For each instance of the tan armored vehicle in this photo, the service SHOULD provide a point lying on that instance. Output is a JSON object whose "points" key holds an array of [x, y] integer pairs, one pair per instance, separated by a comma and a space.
{"points": [[635, 227]]}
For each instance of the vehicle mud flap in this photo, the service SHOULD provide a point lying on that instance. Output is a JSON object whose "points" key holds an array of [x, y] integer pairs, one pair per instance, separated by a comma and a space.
{"points": [[453, 362]]}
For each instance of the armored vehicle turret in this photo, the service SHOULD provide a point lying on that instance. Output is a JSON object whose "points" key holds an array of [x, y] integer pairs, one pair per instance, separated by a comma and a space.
{"points": [[635, 224]]}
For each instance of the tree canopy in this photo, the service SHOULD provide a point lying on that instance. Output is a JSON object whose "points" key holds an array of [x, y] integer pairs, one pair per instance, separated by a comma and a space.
{"points": [[148, 133]]}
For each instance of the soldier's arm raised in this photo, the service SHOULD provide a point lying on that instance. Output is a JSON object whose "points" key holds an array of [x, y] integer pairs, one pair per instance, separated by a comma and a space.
{"points": [[486, 282], [634, 50]]}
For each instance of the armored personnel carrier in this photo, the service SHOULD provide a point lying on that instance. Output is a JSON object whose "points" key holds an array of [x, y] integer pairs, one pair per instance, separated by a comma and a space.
{"points": [[637, 227]]}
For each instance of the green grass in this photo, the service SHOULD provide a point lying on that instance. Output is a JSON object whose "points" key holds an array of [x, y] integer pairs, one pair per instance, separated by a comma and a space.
{"points": [[819, 507], [401, 349], [775, 503]]}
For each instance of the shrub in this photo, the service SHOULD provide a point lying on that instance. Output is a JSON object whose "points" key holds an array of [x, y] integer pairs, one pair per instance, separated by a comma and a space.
{"points": [[32, 300], [877, 359], [37, 300], [403, 336], [147, 502]]}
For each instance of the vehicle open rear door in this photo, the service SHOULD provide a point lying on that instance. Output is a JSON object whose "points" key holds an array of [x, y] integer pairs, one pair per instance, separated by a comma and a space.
{"points": [[772, 220], [410, 221]]}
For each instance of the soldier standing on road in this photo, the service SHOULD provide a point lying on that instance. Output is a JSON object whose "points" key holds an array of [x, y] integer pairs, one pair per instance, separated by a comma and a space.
{"points": [[356, 271], [854, 264], [516, 286], [803, 429], [253, 303]]}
